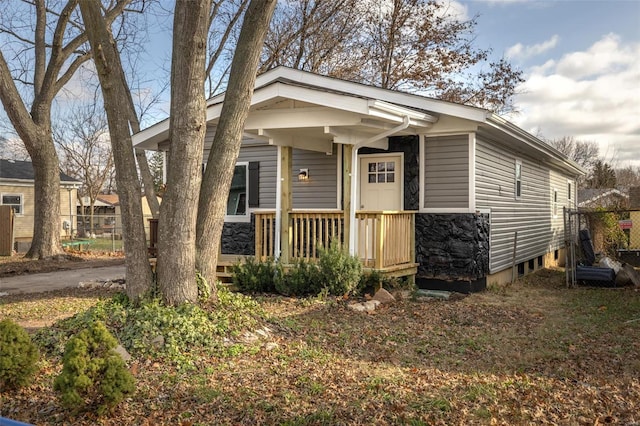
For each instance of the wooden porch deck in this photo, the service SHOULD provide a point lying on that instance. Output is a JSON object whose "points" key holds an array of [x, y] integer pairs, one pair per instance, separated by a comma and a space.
{"points": [[385, 243]]}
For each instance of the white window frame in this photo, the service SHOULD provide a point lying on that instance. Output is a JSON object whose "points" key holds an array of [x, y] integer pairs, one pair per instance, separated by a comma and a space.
{"points": [[246, 217], [12, 194], [517, 193]]}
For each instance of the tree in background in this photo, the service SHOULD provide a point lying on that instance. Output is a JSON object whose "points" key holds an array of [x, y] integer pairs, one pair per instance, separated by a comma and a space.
{"points": [[315, 36], [410, 45], [13, 149], [156, 167], [583, 153], [602, 176], [44, 44], [628, 176], [84, 146]]}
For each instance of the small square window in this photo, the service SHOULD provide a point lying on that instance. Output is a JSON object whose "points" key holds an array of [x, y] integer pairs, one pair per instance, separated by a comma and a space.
{"points": [[381, 178], [381, 167], [391, 177], [372, 178], [372, 167]]}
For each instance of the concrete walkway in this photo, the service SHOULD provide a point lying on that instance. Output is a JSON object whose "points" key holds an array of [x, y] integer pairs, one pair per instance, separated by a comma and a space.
{"points": [[47, 281]]}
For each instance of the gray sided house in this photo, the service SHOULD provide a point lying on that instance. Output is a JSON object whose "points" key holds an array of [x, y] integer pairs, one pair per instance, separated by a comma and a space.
{"points": [[451, 194]]}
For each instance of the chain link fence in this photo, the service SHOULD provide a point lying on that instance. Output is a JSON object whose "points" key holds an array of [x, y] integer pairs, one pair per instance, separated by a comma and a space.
{"points": [[98, 232]]}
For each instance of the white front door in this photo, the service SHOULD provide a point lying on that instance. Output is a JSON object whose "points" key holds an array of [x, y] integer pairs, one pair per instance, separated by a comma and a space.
{"points": [[380, 182], [380, 189]]}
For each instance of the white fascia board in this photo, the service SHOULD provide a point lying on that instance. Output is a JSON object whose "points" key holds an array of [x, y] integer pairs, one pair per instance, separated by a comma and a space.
{"points": [[150, 137], [416, 117], [358, 89], [16, 182]]}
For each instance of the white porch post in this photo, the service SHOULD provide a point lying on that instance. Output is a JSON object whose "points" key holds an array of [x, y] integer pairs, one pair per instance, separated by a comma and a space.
{"points": [[353, 229], [276, 239]]}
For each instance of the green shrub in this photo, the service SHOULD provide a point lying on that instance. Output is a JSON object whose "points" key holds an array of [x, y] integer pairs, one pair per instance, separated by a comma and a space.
{"points": [[93, 373], [151, 329], [18, 356], [255, 276], [301, 279], [204, 289], [339, 271]]}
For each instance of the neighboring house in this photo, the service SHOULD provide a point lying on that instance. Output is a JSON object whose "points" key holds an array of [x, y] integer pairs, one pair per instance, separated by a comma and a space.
{"points": [[17, 190], [591, 198], [107, 217], [411, 185]]}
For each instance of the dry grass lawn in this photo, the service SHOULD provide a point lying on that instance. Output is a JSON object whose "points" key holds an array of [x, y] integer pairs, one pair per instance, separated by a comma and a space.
{"points": [[531, 353]]}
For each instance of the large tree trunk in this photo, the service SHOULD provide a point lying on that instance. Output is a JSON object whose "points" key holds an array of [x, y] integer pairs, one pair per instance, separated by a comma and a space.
{"points": [[187, 128], [34, 128], [226, 144], [46, 231], [114, 92]]}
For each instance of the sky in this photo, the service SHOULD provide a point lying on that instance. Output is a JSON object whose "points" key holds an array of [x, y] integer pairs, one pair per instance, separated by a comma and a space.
{"points": [[581, 63], [580, 59]]}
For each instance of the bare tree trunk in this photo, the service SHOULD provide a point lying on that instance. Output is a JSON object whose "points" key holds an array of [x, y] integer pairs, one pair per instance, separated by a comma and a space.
{"points": [[34, 128], [187, 128], [147, 181], [226, 144], [46, 231], [114, 90]]}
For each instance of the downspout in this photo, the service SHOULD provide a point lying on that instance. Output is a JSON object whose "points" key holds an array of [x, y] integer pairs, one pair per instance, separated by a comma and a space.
{"points": [[355, 176]]}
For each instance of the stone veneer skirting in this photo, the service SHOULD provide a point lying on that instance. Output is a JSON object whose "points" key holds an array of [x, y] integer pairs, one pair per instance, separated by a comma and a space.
{"points": [[238, 238], [452, 246]]}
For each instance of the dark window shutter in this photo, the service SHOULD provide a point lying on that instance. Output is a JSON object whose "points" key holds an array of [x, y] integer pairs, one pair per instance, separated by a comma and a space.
{"points": [[254, 184]]}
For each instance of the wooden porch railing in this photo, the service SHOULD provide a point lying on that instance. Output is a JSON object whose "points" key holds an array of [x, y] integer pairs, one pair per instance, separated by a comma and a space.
{"points": [[265, 224], [385, 239], [312, 229]]}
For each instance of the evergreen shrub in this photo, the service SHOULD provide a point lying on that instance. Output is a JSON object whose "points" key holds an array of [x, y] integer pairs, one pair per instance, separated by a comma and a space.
{"points": [[18, 356], [255, 276], [93, 374]]}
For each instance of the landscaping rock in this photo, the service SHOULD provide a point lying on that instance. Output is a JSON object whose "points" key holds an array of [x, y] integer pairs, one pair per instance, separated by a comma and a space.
{"points": [[120, 350], [383, 296], [358, 307], [371, 305], [368, 306], [158, 341]]}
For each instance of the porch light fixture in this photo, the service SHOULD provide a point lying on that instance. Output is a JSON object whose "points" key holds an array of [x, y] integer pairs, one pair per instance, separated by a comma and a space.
{"points": [[303, 175]]}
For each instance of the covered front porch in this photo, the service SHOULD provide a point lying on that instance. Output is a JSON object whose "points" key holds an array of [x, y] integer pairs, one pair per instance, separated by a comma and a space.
{"points": [[385, 239]]}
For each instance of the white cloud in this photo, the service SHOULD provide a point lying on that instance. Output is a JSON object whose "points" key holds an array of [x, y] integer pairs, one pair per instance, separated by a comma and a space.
{"points": [[605, 56], [590, 95], [520, 51]]}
